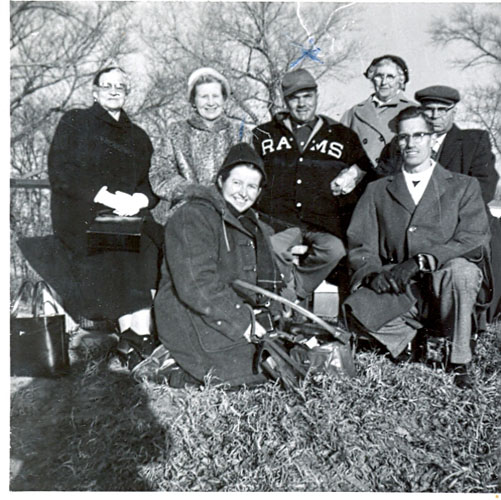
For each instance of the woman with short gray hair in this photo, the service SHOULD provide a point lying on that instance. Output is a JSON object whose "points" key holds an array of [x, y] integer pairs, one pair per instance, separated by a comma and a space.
{"points": [[372, 119]]}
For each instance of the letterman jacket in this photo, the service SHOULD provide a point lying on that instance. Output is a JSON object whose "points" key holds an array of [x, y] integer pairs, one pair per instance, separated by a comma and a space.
{"points": [[298, 182]]}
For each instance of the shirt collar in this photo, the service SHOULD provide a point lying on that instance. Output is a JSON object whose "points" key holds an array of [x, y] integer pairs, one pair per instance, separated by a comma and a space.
{"points": [[392, 102]]}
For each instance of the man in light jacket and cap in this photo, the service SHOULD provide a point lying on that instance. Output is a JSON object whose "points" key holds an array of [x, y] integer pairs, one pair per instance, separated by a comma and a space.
{"points": [[314, 166]]}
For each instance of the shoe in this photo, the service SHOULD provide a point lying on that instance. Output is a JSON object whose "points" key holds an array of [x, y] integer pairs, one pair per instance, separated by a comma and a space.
{"points": [[132, 348], [155, 367], [462, 376], [144, 344], [419, 347]]}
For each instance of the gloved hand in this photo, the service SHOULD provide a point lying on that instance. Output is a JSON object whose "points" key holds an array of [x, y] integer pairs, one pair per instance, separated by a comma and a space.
{"points": [[128, 205], [403, 273], [106, 198], [259, 331], [122, 203], [382, 282], [346, 181]]}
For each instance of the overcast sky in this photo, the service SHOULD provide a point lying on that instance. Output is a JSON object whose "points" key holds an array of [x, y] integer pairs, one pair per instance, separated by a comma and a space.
{"points": [[400, 28]]}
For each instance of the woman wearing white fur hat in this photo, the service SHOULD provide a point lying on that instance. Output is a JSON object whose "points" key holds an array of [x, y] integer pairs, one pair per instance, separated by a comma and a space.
{"points": [[195, 148]]}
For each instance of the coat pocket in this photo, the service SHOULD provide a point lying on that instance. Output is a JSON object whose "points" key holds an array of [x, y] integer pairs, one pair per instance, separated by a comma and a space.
{"points": [[211, 339]]}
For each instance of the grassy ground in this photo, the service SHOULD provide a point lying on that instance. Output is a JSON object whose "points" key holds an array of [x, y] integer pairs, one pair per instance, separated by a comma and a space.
{"points": [[395, 427]]}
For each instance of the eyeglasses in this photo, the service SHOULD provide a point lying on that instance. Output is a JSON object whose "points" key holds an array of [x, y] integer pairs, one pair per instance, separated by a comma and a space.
{"points": [[439, 111], [119, 87], [416, 137]]}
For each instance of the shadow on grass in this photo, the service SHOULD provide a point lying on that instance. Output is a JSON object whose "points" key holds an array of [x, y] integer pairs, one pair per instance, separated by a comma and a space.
{"points": [[89, 431]]}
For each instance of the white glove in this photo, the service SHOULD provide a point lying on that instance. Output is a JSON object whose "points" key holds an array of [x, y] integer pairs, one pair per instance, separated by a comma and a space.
{"points": [[346, 181], [141, 200], [258, 332], [127, 205], [104, 197]]}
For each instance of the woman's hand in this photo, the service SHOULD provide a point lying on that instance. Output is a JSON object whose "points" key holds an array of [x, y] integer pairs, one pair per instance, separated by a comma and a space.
{"points": [[259, 331], [128, 205], [122, 203]]}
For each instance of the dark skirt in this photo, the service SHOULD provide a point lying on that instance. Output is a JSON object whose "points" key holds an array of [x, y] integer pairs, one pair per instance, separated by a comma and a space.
{"points": [[96, 287]]}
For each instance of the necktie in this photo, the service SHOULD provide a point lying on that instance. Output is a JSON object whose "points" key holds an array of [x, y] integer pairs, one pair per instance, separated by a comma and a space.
{"points": [[415, 183]]}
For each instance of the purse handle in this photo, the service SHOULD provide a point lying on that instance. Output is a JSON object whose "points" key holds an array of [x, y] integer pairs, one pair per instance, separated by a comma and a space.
{"points": [[25, 285], [37, 298]]}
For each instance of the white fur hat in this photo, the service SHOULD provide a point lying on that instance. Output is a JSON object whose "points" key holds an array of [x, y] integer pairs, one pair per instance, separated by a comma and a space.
{"points": [[195, 76]]}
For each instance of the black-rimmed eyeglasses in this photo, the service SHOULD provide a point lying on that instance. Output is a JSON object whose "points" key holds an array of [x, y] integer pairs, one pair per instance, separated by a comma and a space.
{"points": [[438, 111], [416, 137]]}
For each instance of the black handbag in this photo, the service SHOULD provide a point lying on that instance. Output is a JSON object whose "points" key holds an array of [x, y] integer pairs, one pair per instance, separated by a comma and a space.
{"points": [[38, 343], [111, 232]]}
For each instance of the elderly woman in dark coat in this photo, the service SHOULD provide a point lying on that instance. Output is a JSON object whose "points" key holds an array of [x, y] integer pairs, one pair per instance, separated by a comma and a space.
{"points": [[99, 160], [213, 239], [194, 149]]}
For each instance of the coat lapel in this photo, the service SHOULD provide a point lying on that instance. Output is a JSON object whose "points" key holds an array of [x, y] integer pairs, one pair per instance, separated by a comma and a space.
{"points": [[398, 190], [366, 113], [450, 147], [431, 197]]}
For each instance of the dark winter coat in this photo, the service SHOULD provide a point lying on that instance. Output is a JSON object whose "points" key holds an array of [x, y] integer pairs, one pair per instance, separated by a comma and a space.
{"points": [[200, 318], [298, 187], [387, 228], [90, 150], [466, 152]]}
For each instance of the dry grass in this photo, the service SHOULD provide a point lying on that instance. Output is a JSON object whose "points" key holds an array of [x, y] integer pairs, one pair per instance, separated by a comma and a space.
{"points": [[402, 428]]}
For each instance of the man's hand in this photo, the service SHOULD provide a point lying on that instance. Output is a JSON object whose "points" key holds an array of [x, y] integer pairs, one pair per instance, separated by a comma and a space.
{"points": [[346, 181], [403, 273], [382, 282]]}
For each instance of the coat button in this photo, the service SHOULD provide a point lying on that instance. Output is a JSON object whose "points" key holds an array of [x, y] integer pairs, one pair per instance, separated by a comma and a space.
{"points": [[299, 204], [219, 323], [365, 141], [237, 306], [412, 229], [299, 181], [381, 138], [300, 159], [254, 269]]}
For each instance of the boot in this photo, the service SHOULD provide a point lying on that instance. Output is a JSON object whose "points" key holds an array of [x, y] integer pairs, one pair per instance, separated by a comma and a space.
{"points": [[133, 348]]}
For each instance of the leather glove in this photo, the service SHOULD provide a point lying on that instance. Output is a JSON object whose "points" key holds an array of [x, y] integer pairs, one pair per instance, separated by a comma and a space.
{"points": [[382, 282], [403, 273]]}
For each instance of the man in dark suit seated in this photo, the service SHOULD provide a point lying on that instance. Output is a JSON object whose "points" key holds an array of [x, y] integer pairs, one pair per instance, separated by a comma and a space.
{"points": [[416, 243], [466, 151]]}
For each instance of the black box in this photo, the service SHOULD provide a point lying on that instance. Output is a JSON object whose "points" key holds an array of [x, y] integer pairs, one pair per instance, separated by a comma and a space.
{"points": [[114, 233]]}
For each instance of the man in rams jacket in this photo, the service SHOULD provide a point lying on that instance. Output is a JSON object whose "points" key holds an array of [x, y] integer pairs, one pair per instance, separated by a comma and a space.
{"points": [[314, 166]]}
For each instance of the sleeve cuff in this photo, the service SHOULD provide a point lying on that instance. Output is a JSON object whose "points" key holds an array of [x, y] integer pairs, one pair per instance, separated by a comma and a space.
{"points": [[427, 262]]}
